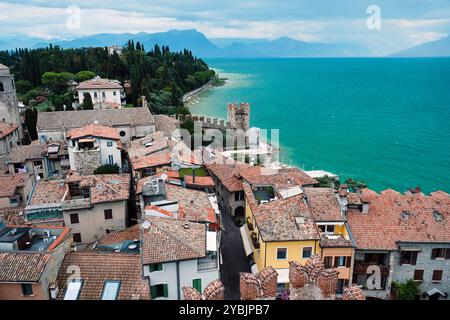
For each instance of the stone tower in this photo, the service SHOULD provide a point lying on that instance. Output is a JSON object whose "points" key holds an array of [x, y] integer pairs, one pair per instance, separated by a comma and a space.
{"points": [[9, 110], [239, 116]]}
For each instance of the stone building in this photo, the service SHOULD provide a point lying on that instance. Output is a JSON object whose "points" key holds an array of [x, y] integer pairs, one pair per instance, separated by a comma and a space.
{"points": [[105, 93], [132, 123], [9, 137], [9, 110], [239, 120], [92, 146], [401, 237]]}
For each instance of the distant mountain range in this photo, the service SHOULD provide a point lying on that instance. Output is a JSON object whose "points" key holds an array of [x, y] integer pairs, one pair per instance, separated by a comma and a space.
{"points": [[439, 48], [203, 47]]}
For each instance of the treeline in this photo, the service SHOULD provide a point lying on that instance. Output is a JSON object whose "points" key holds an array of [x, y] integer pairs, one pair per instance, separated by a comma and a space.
{"points": [[163, 77]]}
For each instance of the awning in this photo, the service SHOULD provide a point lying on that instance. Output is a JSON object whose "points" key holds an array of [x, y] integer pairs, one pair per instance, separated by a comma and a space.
{"points": [[435, 291], [283, 275], [246, 241]]}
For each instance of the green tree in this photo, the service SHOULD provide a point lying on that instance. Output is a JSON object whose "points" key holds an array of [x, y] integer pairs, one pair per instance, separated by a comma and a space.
{"points": [[87, 102], [31, 115], [84, 76], [107, 169], [407, 290]]}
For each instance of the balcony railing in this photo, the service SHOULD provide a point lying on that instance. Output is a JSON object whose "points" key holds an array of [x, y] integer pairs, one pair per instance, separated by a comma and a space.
{"points": [[76, 204]]}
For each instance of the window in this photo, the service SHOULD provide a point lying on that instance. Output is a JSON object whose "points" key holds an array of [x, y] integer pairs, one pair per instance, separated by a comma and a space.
{"points": [[110, 290], [437, 275], [408, 257], [27, 289], [156, 267], [104, 94], [111, 159], [122, 133], [95, 95], [77, 237], [73, 290], [238, 196], [74, 219], [109, 144], [342, 261], [328, 262], [281, 253], [197, 284], [328, 229], [307, 252], [37, 163], [159, 291], [440, 253], [114, 93], [108, 214], [418, 275]]}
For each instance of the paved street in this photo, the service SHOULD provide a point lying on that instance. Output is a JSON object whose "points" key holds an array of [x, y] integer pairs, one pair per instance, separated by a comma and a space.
{"points": [[233, 255]]}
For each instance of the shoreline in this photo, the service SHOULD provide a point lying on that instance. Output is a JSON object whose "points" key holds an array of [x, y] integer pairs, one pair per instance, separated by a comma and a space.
{"points": [[191, 94]]}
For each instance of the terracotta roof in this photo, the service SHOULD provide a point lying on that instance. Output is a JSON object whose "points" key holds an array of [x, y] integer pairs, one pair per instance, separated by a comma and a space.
{"points": [[394, 217], [12, 215], [48, 191], [195, 203], [152, 143], [61, 120], [227, 174], [152, 160], [94, 130], [9, 183], [323, 204], [22, 266], [22, 153], [96, 268], [279, 178], [131, 233], [98, 83], [105, 187], [7, 128], [339, 242], [166, 124], [283, 220], [169, 240], [199, 181]]}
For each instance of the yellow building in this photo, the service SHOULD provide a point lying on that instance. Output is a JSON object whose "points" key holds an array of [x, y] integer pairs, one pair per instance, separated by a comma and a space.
{"points": [[278, 232]]}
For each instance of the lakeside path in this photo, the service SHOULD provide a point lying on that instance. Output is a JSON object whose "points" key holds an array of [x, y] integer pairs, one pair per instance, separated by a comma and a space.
{"points": [[191, 94]]}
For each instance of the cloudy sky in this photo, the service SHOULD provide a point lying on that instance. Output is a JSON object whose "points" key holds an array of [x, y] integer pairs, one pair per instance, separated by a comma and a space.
{"points": [[404, 23]]}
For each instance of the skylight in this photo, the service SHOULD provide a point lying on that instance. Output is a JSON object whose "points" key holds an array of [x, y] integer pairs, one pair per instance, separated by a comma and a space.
{"points": [[111, 290], [73, 290], [437, 216]]}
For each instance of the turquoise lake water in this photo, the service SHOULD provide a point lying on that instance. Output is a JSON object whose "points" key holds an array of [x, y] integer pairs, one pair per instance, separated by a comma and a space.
{"points": [[384, 121]]}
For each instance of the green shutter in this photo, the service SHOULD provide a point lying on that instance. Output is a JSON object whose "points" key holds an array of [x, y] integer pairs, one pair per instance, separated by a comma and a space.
{"points": [[153, 291], [151, 267], [165, 291], [197, 284]]}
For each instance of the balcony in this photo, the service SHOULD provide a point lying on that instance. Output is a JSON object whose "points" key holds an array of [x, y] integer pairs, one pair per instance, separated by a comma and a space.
{"points": [[74, 204], [210, 262], [361, 267]]}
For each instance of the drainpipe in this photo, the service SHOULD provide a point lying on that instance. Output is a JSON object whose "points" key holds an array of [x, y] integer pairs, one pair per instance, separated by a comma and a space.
{"points": [[178, 280]]}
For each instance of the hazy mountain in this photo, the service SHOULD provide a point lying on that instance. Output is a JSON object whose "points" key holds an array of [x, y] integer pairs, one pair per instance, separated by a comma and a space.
{"points": [[439, 48], [201, 46]]}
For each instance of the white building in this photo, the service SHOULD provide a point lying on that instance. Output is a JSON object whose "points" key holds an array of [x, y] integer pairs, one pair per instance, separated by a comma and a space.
{"points": [[177, 253], [105, 93], [93, 146]]}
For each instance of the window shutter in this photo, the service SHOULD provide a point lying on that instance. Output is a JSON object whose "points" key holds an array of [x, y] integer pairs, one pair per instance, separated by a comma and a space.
{"points": [[151, 268], [348, 262], [336, 261], [414, 258], [154, 291], [165, 290], [434, 253], [447, 253]]}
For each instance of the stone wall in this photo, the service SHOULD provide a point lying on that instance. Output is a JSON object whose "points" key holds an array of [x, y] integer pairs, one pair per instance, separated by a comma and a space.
{"points": [[87, 161]]}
